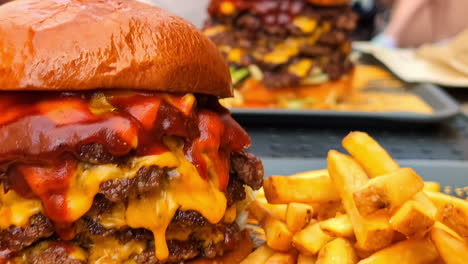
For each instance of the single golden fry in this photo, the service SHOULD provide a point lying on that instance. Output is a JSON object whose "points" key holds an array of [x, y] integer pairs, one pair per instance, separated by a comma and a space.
{"points": [[338, 251], [339, 226], [311, 239], [327, 210], [363, 253], [412, 251], [387, 191], [298, 216], [260, 255], [310, 174], [304, 259], [373, 232], [411, 220], [452, 212], [278, 236], [282, 190], [373, 158], [260, 194], [451, 249], [281, 258], [447, 229], [428, 206], [260, 209], [431, 186]]}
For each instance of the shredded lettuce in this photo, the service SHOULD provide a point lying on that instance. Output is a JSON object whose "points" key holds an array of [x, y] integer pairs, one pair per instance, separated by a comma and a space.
{"points": [[238, 75]]}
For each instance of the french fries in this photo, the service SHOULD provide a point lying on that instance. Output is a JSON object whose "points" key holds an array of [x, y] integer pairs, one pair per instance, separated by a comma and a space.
{"points": [[260, 209], [387, 191], [304, 259], [339, 226], [447, 229], [431, 186], [412, 220], [310, 174], [412, 251], [281, 258], [278, 236], [298, 216], [428, 206], [260, 255], [363, 209], [372, 233], [451, 249], [311, 239], [452, 212], [324, 211], [373, 158], [278, 189], [338, 251]]}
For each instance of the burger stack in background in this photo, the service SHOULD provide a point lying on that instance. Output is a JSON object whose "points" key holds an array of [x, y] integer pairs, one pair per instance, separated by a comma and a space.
{"points": [[292, 53]]}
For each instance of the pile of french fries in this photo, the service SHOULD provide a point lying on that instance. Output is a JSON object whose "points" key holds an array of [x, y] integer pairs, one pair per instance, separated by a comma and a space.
{"points": [[364, 208]]}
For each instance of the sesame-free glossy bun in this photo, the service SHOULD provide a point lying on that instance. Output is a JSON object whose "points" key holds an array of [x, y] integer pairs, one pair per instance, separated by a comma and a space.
{"points": [[329, 2], [72, 45]]}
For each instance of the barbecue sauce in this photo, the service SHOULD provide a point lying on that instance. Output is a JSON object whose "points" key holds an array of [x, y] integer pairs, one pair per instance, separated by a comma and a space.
{"points": [[42, 135]]}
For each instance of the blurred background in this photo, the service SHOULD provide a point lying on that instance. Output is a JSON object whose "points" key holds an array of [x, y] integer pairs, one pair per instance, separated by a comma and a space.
{"points": [[401, 22], [399, 47], [395, 68]]}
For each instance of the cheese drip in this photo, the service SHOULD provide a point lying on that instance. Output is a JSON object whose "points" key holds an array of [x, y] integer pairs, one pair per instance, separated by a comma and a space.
{"points": [[16, 210], [86, 182], [111, 251], [185, 191]]}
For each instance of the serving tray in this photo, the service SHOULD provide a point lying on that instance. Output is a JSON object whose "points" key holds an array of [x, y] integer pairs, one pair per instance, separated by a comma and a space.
{"points": [[443, 105]]}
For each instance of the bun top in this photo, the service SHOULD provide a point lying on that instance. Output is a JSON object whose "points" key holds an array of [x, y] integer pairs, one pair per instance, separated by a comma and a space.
{"points": [[74, 45]]}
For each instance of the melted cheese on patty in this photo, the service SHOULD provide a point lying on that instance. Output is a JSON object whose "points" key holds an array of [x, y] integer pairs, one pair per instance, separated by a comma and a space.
{"points": [[185, 190]]}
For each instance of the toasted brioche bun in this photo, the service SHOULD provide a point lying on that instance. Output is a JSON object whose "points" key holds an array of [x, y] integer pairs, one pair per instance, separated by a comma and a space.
{"points": [[329, 2], [54, 45], [242, 250]]}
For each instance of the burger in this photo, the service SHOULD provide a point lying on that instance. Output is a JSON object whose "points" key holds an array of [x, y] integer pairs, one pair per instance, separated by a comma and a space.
{"points": [[288, 53], [114, 148]]}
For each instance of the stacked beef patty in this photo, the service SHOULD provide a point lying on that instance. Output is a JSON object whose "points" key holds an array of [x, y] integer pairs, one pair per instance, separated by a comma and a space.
{"points": [[285, 43]]}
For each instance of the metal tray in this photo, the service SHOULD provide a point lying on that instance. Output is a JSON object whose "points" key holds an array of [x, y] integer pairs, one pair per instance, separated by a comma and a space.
{"points": [[444, 108], [451, 174]]}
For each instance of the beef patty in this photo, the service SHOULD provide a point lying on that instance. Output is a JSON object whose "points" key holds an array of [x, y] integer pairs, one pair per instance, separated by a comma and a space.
{"points": [[14, 238], [246, 169]]}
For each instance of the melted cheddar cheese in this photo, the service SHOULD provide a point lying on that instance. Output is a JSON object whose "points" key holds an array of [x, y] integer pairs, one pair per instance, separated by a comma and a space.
{"points": [[16, 210], [111, 251], [85, 184], [305, 24], [301, 68], [185, 190]]}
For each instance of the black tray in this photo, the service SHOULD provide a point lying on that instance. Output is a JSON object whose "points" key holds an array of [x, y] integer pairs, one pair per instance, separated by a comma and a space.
{"points": [[444, 108], [452, 174]]}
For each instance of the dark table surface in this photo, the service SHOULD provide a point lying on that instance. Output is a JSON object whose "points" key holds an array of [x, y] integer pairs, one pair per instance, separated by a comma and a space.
{"points": [[444, 141]]}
